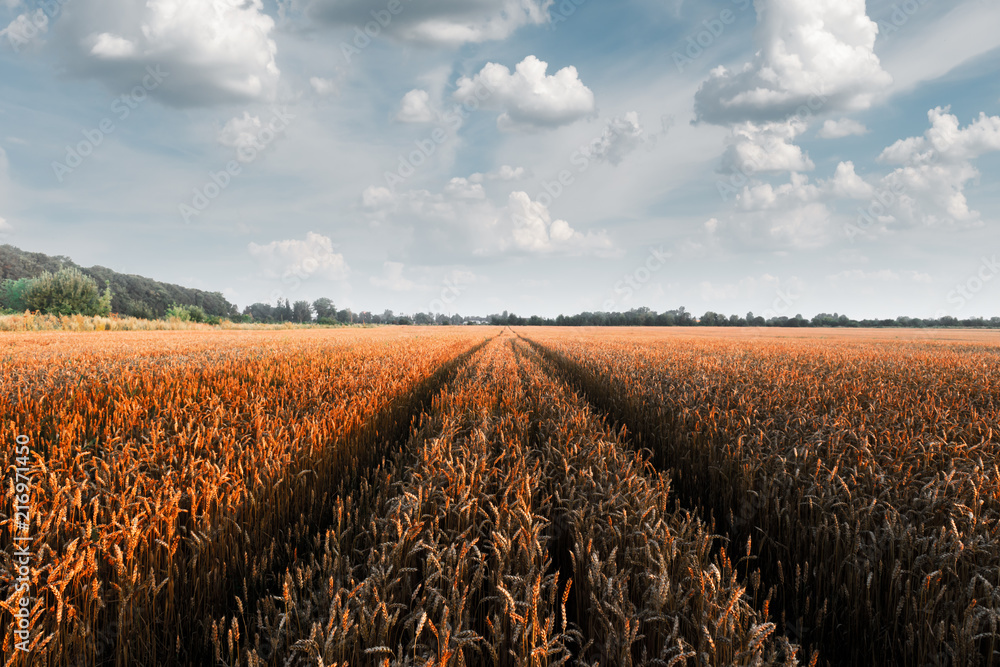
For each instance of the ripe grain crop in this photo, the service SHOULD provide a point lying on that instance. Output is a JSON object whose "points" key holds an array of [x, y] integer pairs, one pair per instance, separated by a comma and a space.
{"points": [[514, 529], [865, 472], [175, 471]]}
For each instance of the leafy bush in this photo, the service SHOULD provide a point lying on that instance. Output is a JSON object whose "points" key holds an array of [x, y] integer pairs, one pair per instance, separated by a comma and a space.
{"points": [[66, 292], [178, 313], [197, 313], [181, 313]]}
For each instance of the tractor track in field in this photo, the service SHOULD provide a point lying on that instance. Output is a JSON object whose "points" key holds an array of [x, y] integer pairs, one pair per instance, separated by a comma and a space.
{"points": [[513, 528], [888, 551], [649, 442]]}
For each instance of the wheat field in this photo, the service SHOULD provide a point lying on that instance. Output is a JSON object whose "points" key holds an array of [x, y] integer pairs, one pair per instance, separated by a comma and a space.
{"points": [[466, 496]]}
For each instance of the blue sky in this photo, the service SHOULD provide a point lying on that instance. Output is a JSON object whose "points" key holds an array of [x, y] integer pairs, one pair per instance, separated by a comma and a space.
{"points": [[777, 156]]}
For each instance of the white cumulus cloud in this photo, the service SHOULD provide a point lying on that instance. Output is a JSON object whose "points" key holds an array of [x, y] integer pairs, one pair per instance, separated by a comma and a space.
{"points": [[416, 108], [936, 168], [240, 131], [818, 52], [838, 129], [846, 183], [529, 98], [533, 229], [215, 52], [462, 219], [621, 136], [766, 147], [301, 259]]}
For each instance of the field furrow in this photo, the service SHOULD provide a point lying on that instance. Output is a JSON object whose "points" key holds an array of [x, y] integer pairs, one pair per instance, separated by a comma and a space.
{"points": [[864, 474], [174, 472], [515, 529]]}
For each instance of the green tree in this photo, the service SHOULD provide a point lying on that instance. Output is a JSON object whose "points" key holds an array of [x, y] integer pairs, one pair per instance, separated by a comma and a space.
{"points": [[302, 311], [325, 310], [12, 294], [67, 292]]}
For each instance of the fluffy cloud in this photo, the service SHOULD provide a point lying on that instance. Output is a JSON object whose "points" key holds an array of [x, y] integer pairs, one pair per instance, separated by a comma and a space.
{"points": [[847, 184], [239, 132], [810, 51], [416, 108], [443, 22], [764, 196], [937, 167], [529, 98], [463, 188], [766, 147], [927, 189], [533, 230], [295, 259], [462, 220], [838, 129], [946, 141], [794, 215], [622, 135], [214, 52]]}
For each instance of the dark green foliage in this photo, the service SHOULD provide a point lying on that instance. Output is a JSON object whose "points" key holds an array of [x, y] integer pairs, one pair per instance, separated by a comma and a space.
{"points": [[12, 294], [302, 312], [324, 309], [190, 314], [132, 296], [66, 292]]}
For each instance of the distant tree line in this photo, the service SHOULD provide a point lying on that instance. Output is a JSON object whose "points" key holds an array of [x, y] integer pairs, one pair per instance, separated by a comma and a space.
{"points": [[323, 311], [38, 282], [644, 317], [131, 296]]}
